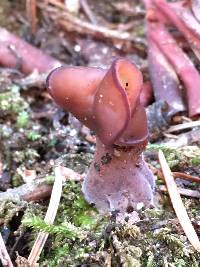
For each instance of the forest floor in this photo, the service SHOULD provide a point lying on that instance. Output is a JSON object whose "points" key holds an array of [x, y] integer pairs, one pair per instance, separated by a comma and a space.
{"points": [[35, 135]]}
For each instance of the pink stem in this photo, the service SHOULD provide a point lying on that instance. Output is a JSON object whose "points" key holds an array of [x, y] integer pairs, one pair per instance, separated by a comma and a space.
{"points": [[153, 14], [118, 178], [183, 66]]}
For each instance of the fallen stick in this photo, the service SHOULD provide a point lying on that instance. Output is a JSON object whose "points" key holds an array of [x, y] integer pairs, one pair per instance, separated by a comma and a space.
{"points": [[31, 14], [183, 126], [180, 175], [177, 203], [4, 256], [49, 218], [183, 191], [186, 176], [37, 190]]}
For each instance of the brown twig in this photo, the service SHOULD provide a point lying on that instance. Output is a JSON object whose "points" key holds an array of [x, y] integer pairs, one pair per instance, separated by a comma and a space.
{"points": [[186, 176], [177, 203], [88, 11], [181, 175], [35, 191], [183, 191], [31, 12], [4, 256]]}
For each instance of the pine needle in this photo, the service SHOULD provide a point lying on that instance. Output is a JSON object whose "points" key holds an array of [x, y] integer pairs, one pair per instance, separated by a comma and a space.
{"points": [[4, 256], [178, 204]]}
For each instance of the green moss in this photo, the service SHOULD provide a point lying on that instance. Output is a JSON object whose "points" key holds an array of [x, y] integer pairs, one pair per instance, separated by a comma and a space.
{"points": [[17, 180], [11, 102], [195, 161], [178, 157], [22, 119], [33, 136], [10, 209]]}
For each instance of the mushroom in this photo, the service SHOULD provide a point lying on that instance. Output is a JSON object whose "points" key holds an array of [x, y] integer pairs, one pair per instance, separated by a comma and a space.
{"points": [[109, 103]]}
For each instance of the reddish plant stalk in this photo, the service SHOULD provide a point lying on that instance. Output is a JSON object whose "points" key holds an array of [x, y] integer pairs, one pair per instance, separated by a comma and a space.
{"points": [[185, 14], [153, 14], [15, 51], [165, 82], [183, 66], [191, 37]]}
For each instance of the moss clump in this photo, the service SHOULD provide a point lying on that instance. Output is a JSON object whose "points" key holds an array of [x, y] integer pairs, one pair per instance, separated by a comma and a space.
{"points": [[178, 157], [195, 161], [22, 119], [11, 102], [77, 224], [10, 209], [33, 136]]}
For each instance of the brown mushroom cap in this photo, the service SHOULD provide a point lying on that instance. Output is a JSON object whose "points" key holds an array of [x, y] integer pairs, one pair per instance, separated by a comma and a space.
{"points": [[74, 88], [105, 102]]}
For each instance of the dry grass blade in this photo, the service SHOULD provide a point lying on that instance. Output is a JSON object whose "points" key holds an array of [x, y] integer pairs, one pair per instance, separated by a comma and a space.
{"points": [[183, 126], [49, 218], [178, 204], [4, 256]]}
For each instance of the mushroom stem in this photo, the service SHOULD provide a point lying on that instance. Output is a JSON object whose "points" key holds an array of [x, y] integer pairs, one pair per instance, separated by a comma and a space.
{"points": [[118, 178]]}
